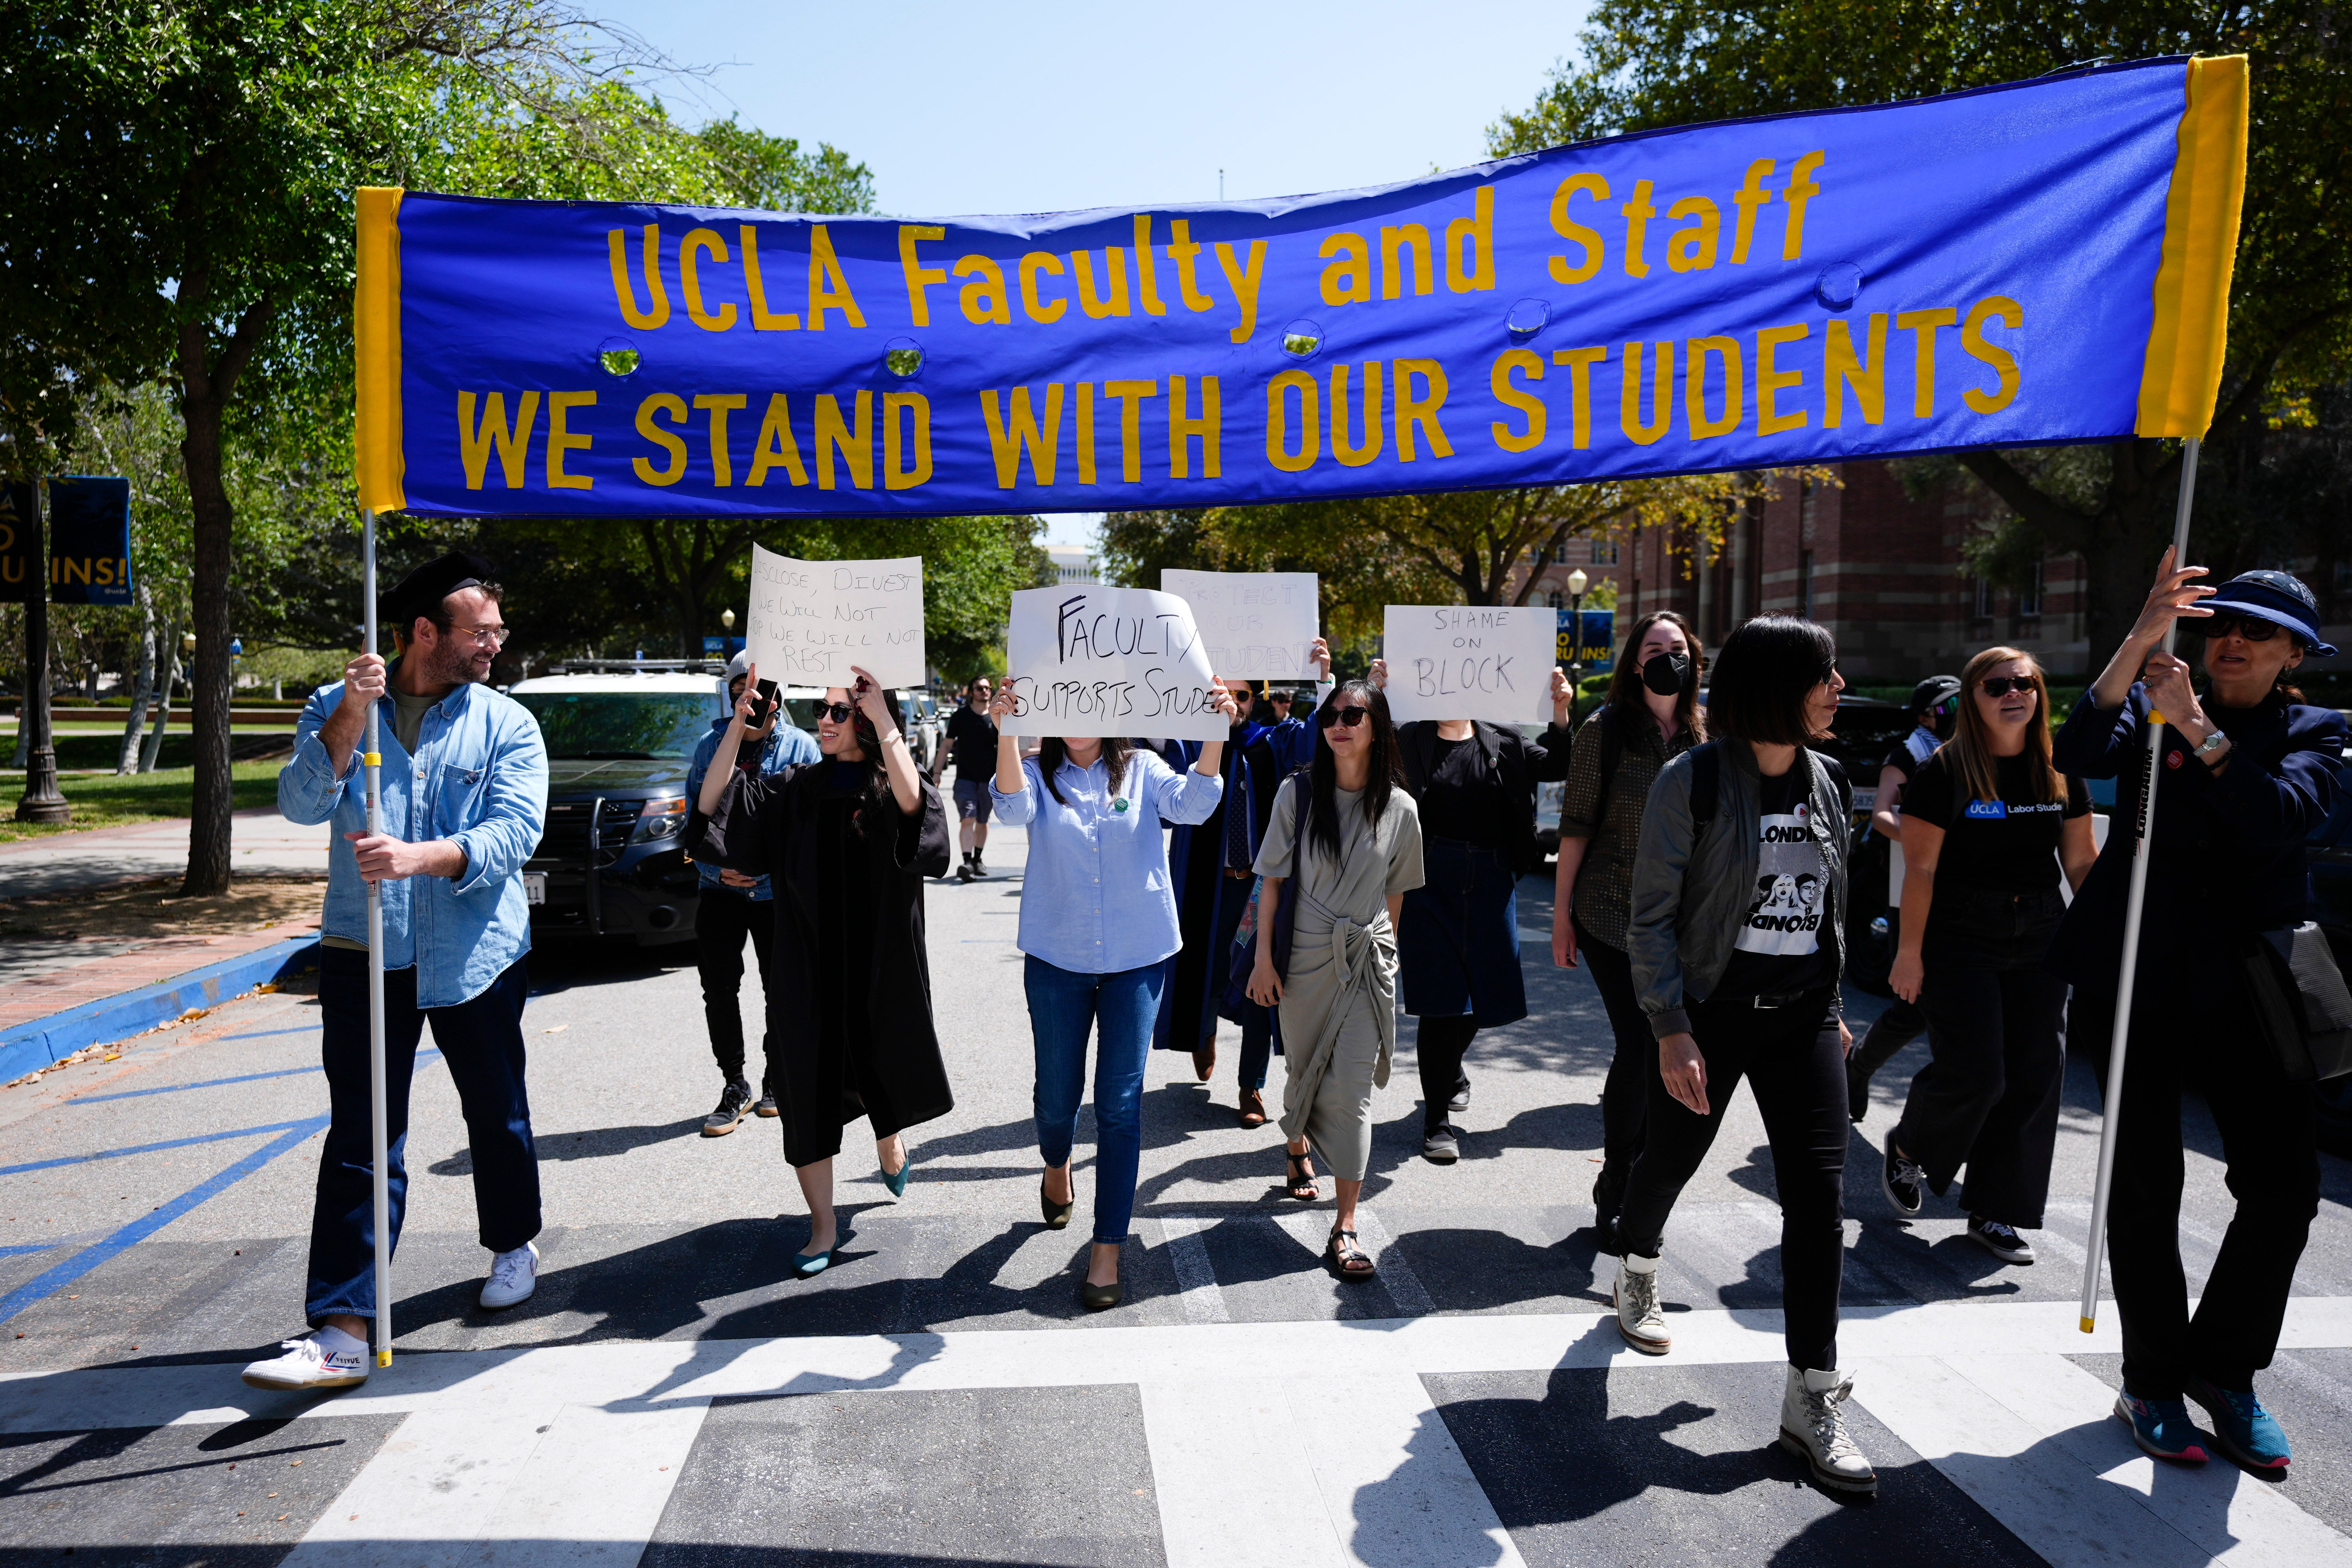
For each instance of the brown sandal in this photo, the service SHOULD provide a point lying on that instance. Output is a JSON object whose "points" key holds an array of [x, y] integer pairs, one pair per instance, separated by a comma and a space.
{"points": [[1348, 1261], [1301, 1184]]}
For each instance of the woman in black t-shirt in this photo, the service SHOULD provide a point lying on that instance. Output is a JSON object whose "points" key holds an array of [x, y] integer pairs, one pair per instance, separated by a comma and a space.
{"points": [[1986, 823]]}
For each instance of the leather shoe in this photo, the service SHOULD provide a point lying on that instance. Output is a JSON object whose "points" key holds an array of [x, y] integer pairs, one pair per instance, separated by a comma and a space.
{"points": [[1204, 1061]]}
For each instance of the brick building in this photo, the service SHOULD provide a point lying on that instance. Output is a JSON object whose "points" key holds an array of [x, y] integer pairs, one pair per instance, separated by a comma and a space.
{"points": [[1880, 569]]}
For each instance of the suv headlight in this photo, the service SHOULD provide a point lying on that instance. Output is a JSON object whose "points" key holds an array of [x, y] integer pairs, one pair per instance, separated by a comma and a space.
{"points": [[660, 820]]}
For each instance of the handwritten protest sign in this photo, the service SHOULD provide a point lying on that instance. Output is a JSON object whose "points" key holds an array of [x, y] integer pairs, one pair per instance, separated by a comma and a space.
{"points": [[1258, 624], [1470, 661], [810, 620], [1087, 659]]}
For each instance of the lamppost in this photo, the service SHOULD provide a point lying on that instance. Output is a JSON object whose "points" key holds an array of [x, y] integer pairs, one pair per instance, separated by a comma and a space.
{"points": [[726, 620], [1576, 583]]}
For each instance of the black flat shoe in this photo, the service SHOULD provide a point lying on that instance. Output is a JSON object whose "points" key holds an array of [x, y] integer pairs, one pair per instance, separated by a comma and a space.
{"points": [[1057, 1216], [1100, 1298]]}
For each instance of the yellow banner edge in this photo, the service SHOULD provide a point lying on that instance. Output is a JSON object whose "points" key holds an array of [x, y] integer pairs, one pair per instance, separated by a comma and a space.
{"points": [[2181, 376], [375, 321]]}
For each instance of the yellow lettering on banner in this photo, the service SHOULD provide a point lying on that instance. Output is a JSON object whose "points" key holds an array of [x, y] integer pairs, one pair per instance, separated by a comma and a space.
{"points": [[855, 443], [560, 439], [1530, 363], [1637, 215], [777, 446], [1750, 196], [1772, 380], [1576, 234], [1800, 191], [720, 404], [897, 474], [1580, 363], [1348, 281], [1692, 249], [984, 298], [689, 278], [1146, 280], [1922, 325], [1085, 432], [1696, 352], [1478, 229], [1009, 431], [1183, 251], [1114, 263], [1131, 395], [1208, 429], [1244, 281], [1866, 375], [1628, 397], [1393, 241], [2004, 365], [828, 285], [1277, 421], [667, 403], [1374, 424], [756, 287], [1420, 413], [919, 277], [657, 313], [1033, 263], [475, 441]]}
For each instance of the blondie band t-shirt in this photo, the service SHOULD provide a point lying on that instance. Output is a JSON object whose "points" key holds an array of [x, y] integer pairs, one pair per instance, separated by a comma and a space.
{"points": [[2005, 845], [1779, 949]]}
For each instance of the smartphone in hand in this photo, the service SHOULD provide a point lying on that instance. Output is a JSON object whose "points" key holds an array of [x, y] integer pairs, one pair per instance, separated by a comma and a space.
{"points": [[763, 702]]}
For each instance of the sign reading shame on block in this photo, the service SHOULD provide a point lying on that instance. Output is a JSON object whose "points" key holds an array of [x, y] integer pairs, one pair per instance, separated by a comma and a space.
{"points": [[1087, 659], [811, 620], [1470, 661], [1258, 626]]}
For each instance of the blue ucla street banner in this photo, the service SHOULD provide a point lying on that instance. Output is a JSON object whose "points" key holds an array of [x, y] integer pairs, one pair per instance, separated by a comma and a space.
{"points": [[2026, 265]]}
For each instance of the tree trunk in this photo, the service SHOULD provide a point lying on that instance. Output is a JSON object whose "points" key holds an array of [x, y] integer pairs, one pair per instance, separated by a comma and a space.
{"points": [[142, 684], [167, 641], [208, 828]]}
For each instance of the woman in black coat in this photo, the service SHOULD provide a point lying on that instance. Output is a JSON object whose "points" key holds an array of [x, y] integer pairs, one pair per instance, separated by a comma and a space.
{"points": [[848, 842], [2248, 771]]}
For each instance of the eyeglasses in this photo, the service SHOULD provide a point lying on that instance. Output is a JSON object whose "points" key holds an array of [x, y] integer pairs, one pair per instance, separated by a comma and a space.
{"points": [[838, 713], [2003, 685], [488, 636], [1350, 717], [2251, 628]]}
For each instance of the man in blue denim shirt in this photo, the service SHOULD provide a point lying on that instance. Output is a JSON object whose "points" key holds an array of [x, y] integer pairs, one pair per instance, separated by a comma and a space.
{"points": [[733, 906], [464, 799]]}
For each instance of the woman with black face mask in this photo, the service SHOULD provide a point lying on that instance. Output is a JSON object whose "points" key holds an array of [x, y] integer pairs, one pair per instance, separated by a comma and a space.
{"points": [[1652, 717]]}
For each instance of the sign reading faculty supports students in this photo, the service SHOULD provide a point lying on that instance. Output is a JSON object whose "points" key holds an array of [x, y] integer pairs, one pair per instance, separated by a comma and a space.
{"points": [[810, 620], [1470, 661], [1258, 626], [1087, 659]]}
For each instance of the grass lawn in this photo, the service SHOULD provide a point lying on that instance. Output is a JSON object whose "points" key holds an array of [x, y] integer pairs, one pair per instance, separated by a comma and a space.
{"points": [[109, 800]]}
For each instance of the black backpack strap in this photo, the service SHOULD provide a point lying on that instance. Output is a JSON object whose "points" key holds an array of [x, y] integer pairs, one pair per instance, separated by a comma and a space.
{"points": [[1706, 781]]}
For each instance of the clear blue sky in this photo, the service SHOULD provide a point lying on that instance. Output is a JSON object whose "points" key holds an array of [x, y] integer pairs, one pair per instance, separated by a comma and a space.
{"points": [[1045, 105]]}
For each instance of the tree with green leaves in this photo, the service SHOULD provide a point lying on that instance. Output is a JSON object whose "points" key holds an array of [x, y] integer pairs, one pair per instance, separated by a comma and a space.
{"points": [[1645, 64]]}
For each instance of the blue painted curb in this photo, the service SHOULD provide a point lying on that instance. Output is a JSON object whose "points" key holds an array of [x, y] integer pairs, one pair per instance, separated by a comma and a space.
{"points": [[28, 1046]]}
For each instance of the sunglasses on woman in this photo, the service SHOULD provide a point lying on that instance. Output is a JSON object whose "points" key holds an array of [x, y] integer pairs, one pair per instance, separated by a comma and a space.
{"points": [[2003, 685], [1350, 717], [2251, 628], [838, 713]]}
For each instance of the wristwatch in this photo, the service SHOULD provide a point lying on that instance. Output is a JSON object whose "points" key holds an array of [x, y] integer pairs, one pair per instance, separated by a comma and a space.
{"points": [[2210, 745]]}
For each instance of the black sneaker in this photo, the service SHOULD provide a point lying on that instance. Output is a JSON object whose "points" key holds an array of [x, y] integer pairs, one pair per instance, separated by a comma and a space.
{"points": [[1902, 1180], [978, 868], [767, 1106], [2002, 1241], [964, 873], [1438, 1145], [732, 1102], [1461, 1100]]}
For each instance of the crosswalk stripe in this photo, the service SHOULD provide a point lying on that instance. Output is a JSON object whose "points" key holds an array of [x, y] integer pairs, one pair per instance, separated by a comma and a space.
{"points": [[1196, 1278]]}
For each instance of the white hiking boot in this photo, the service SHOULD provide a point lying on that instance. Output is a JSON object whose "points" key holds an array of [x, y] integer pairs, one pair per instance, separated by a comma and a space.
{"points": [[1813, 1427], [327, 1359], [1638, 1316], [513, 1277]]}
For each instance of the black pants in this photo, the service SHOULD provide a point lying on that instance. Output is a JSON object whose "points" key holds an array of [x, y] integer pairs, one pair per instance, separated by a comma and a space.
{"points": [[1793, 1059], [1439, 1045], [1901, 1023], [1626, 1094], [481, 1044], [1989, 1099], [721, 920], [2190, 1029]]}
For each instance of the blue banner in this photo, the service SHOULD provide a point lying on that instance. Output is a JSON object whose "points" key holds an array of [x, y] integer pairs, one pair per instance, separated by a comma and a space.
{"points": [[2038, 263], [1597, 649], [90, 540], [19, 554]]}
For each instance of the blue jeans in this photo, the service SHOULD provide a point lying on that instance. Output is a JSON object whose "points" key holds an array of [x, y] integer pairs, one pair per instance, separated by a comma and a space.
{"points": [[1257, 1046], [1063, 1006]]}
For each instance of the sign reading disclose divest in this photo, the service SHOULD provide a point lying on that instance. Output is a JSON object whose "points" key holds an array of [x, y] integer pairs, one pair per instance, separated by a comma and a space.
{"points": [[2027, 265], [811, 620], [1087, 659]]}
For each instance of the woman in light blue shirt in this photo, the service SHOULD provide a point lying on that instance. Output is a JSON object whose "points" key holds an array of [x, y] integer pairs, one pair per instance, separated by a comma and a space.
{"points": [[1098, 924]]}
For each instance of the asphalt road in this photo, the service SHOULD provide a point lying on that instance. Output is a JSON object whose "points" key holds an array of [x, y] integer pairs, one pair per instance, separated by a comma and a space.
{"points": [[670, 1395]]}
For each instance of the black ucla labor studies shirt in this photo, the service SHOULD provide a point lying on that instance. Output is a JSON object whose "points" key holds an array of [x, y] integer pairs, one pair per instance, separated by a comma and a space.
{"points": [[2005, 845]]}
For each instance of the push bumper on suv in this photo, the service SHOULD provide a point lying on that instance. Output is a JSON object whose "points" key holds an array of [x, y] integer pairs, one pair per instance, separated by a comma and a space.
{"points": [[608, 866]]}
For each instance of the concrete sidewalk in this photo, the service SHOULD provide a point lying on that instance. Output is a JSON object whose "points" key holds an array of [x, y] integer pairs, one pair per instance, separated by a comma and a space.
{"points": [[260, 841]]}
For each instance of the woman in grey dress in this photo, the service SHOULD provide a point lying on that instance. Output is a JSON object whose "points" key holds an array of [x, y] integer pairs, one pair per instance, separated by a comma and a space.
{"points": [[1360, 855]]}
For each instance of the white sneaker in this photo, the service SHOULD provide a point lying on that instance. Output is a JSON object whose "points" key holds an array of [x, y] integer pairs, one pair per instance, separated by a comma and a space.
{"points": [[308, 1363], [1638, 1316], [1813, 1427], [513, 1277]]}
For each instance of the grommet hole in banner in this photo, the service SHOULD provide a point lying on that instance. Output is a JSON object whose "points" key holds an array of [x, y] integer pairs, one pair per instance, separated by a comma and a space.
{"points": [[618, 356], [1839, 286], [1302, 340], [1527, 317], [902, 357]]}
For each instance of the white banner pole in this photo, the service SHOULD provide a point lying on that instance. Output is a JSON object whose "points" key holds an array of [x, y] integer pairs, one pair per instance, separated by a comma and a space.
{"points": [[374, 761], [2143, 827]]}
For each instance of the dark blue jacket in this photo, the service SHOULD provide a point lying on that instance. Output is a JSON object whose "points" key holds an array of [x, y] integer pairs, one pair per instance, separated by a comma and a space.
{"points": [[2227, 857]]}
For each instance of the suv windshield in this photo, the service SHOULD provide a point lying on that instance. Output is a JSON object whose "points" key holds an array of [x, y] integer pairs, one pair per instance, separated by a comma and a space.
{"points": [[592, 725]]}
